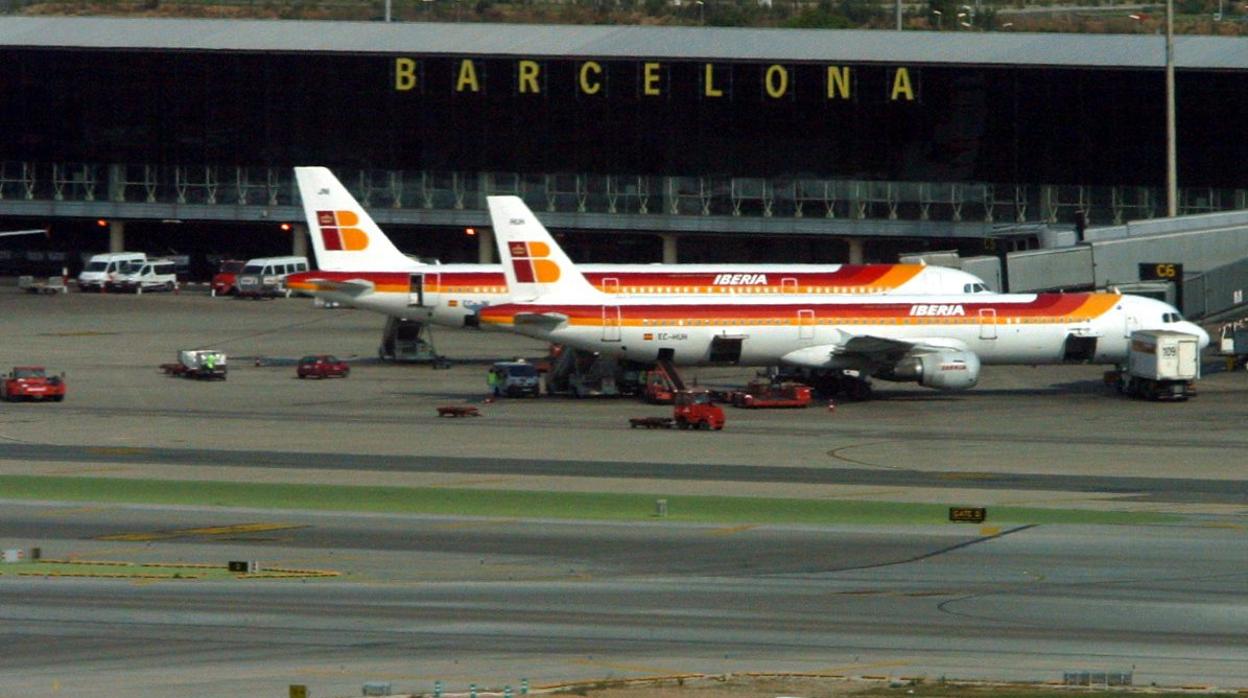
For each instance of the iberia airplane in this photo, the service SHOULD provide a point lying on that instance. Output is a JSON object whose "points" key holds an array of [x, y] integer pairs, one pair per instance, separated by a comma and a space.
{"points": [[937, 341], [361, 267]]}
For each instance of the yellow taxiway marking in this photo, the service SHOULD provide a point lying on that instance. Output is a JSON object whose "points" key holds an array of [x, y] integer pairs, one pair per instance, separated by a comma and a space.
{"points": [[964, 475], [466, 482], [114, 450], [732, 530], [661, 671], [473, 524], [235, 529], [83, 471]]}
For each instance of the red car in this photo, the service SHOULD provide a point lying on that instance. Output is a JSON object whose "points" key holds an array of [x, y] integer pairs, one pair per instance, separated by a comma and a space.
{"points": [[225, 282], [322, 366], [32, 383]]}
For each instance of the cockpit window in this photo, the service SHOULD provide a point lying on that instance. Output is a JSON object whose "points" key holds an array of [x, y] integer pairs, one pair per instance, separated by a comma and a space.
{"points": [[974, 288], [1171, 317]]}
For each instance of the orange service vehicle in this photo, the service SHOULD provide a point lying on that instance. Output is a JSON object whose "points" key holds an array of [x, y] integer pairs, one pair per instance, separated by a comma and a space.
{"points": [[764, 394]]}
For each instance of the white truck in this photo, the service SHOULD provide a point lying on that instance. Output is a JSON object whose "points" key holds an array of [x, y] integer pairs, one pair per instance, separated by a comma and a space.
{"points": [[1162, 365], [204, 364]]}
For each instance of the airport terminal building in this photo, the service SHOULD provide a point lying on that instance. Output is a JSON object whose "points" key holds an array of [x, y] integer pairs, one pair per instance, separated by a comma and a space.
{"points": [[163, 127]]}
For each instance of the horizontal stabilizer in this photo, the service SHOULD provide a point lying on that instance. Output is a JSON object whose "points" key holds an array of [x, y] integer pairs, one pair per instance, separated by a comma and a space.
{"points": [[548, 321], [353, 288]]}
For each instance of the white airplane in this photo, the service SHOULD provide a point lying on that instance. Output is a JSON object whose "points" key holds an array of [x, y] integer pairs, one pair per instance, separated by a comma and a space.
{"points": [[361, 267], [937, 341]]}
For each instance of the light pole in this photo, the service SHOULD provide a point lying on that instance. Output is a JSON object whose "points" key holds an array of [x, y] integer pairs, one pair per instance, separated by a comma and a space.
{"points": [[940, 19], [1172, 166]]}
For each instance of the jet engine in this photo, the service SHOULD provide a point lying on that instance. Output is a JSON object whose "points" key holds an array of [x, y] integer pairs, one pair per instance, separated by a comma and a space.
{"points": [[946, 370]]}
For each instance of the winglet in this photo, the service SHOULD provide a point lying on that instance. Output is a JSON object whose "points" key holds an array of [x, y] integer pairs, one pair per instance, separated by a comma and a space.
{"points": [[535, 266], [344, 236]]}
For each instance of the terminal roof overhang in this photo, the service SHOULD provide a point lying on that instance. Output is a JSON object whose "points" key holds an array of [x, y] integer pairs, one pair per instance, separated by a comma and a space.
{"points": [[1109, 51]]}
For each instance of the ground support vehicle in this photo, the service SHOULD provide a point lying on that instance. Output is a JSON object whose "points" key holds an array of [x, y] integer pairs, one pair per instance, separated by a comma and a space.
{"points": [[32, 383], [151, 275], [588, 374], [204, 364], [692, 409], [322, 366], [106, 267], [515, 379], [766, 394], [409, 341], [224, 281], [53, 284], [661, 384], [1161, 365], [257, 287], [1233, 344]]}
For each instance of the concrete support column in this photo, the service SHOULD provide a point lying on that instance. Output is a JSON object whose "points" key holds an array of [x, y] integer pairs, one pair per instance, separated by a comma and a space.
{"points": [[486, 253], [299, 240], [855, 250], [669, 249], [116, 236]]}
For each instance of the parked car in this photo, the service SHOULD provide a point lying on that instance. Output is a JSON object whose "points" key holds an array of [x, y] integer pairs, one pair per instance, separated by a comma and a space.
{"points": [[322, 366], [265, 277], [152, 275], [105, 267], [32, 383]]}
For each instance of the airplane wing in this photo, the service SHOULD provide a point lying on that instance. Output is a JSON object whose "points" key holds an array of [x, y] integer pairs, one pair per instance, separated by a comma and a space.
{"points": [[865, 350]]}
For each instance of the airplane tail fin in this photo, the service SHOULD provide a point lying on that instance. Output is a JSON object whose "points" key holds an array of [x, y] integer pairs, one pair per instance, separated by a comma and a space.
{"points": [[344, 236], [535, 266]]}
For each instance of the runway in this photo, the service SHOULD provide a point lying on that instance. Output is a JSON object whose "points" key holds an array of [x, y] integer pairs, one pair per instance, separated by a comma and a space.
{"points": [[491, 600]]}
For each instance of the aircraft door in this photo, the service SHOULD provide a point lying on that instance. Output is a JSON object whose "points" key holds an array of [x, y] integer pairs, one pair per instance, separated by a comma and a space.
{"points": [[788, 285], [416, 291], [805, 324], [1133, 324], [610, 323], [611, 285], [987, 323]]}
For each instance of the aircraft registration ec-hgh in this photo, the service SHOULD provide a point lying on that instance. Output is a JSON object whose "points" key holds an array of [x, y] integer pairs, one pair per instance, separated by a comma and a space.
{"points": [[938, 341], [359, 266]]}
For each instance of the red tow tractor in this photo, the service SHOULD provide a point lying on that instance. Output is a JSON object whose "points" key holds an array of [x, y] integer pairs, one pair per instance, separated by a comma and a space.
{"points": [[693, 409], [32, 383]]}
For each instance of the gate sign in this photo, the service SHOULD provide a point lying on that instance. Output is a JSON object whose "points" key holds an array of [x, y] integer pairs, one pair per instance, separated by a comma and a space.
{"points": [[1161, 271], [1165, 271], [967, 514]]}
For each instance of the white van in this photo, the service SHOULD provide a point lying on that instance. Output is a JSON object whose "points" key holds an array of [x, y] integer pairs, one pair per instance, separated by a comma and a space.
{"points": [[265, 276], [102, 268], [152, 275]]}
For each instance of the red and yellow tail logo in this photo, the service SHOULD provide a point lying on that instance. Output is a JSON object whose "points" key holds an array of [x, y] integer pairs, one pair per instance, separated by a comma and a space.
{"points": [[528, 259], [337, 230]]}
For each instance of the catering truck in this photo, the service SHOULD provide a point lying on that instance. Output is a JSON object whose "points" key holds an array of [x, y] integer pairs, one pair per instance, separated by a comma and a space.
{"points": [[1162, 365]]}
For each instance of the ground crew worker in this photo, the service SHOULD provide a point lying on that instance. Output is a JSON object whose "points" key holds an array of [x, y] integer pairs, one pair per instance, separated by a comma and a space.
{"points": [[494, 381], [210, 360]]}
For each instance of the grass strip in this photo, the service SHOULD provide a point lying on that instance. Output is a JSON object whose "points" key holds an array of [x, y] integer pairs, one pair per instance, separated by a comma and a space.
{"points": [[529, 504]]}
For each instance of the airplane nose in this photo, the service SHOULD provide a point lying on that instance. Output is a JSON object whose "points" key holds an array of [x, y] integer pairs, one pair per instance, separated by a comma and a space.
{"points": [[1201, 333]]}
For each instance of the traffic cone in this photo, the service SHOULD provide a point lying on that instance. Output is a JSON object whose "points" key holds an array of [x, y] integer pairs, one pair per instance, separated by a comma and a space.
{"points": [[831, 406]]}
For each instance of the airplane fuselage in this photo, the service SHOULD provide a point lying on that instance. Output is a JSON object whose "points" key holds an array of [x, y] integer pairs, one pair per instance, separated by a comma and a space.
{"points": [[999, 329], [452, 294]]}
